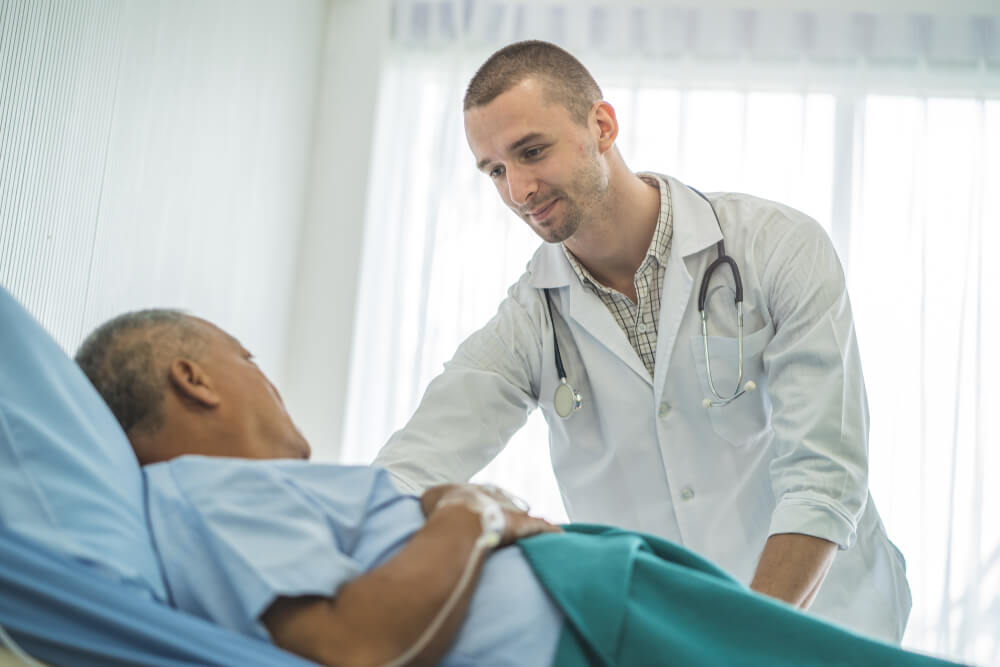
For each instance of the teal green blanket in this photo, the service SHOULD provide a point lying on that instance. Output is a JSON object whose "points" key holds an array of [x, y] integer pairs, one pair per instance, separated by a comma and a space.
{"points": [[633, 599]]}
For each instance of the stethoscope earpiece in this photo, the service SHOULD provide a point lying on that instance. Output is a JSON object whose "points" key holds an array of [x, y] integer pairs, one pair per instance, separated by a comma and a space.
{"points": [[748, 387]]}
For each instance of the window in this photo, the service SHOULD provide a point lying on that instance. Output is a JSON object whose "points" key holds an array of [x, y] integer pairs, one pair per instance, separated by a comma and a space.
{"points": [[903, 185]]}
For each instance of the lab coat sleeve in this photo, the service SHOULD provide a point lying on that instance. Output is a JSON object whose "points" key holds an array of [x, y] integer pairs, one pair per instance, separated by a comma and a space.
{"points": [[819, 474], [470, 411]]}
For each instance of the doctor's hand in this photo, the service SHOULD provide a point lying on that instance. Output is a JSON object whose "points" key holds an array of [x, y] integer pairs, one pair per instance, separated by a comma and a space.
{"points": [[518, 523]]}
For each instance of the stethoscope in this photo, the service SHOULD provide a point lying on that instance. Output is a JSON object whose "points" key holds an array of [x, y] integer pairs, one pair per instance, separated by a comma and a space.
{"points": [[567, 400], [722, 259]]}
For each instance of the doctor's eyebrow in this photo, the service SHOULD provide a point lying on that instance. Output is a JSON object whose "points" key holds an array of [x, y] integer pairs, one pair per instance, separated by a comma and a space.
{"points": [[526, 139]]}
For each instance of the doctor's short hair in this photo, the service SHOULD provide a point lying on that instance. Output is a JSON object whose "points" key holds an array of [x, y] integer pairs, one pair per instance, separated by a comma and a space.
{"points": [[565, 80], [126, 359]]}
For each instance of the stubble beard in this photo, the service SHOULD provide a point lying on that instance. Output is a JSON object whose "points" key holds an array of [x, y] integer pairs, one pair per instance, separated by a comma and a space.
{"points": [[590, 185], [567, 226]]}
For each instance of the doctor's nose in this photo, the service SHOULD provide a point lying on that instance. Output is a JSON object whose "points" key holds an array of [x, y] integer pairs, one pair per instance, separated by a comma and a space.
{"points": [[520, 186]]}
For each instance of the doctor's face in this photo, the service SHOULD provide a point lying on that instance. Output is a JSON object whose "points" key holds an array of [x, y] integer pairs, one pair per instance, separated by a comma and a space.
{"points": [[545, 165]]}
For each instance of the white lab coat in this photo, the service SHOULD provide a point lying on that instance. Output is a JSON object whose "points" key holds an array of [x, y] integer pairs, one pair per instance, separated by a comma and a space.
{"points": [[643, 453]]}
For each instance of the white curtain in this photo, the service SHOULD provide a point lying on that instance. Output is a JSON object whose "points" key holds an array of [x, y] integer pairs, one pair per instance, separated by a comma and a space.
{"points": [[885, 128], [926, 212]]}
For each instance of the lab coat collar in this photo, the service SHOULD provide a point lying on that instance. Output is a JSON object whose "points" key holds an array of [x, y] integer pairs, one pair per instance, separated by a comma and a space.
{"points": [[694, 224], [694, 231], [550, 268]]}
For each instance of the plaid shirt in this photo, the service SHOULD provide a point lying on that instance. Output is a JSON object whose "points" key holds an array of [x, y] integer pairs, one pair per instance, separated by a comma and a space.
{"points": [[639, 320]]}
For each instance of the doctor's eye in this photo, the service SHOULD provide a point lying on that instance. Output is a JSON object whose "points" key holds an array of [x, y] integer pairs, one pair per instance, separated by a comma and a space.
{"points": [[497, 172], [533, 152]]}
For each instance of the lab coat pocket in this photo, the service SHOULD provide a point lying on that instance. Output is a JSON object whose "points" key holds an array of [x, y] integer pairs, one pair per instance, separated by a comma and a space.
{"points": [[747, 419]]}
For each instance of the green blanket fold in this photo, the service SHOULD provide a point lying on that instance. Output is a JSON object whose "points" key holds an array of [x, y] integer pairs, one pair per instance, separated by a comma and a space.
{"points": [[633, 599]]}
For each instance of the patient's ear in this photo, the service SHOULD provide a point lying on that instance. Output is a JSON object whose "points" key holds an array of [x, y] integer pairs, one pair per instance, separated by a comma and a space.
{"points": [[192, 383]]}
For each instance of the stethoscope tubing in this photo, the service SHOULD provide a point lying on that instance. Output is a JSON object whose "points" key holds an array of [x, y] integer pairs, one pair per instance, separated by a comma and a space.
{"points": [[555, 341], [722, 259], [564, 389]]}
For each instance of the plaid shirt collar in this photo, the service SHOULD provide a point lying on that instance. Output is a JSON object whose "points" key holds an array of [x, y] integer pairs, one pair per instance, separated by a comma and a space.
{"points": [[659, 248]]}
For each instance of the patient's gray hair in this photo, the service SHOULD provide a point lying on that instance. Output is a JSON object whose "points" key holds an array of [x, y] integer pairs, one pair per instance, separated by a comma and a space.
{"points": [[126, 359]]}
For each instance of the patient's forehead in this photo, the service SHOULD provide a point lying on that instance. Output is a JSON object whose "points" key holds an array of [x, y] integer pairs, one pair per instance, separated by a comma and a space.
{"points": [[215, 334]]}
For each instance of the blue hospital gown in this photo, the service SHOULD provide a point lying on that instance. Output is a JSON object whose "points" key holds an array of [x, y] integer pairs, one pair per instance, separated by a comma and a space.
{"points": [[234, 535]]}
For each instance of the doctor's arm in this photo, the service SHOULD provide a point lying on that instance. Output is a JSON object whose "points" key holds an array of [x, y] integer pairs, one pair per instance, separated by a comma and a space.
{"points": [[819, 474], [792, 567], [470, 411], [377, 617]]}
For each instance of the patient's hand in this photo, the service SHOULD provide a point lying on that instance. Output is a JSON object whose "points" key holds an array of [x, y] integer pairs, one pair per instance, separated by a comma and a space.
{"points": [[519, 523], [434, 495]]}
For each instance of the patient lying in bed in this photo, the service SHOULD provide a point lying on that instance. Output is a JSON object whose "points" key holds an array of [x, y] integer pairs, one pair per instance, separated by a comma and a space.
{"points": [[334, 564]]}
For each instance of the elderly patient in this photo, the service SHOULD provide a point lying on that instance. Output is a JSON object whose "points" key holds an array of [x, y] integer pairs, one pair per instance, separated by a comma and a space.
{"points": [[333, 563]]}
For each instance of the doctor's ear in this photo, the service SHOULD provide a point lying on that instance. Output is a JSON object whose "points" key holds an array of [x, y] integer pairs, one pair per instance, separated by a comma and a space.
{"points": [[192, 383], [604, 116]]}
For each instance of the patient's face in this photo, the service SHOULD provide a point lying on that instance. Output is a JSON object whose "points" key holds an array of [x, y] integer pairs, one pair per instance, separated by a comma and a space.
{"points": [[250, 401]]}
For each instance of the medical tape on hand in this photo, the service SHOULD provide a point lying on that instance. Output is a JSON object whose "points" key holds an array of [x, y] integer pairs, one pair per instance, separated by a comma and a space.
{"points": [[493, 520], [506, 499], [490, 512]]}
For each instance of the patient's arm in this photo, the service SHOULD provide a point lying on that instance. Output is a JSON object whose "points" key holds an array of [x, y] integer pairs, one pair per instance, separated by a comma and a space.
{"points": [[378, 616], [792, 567]]}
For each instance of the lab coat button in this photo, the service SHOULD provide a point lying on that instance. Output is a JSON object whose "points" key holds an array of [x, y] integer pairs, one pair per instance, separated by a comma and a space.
{"points": [[664, 409], [687, 493]]}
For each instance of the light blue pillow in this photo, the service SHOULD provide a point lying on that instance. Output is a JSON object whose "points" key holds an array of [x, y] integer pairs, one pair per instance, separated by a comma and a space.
{"points": [[68, 478]]}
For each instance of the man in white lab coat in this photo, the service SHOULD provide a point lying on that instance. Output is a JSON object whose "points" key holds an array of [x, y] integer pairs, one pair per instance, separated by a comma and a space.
{"points": [[771, 485]]}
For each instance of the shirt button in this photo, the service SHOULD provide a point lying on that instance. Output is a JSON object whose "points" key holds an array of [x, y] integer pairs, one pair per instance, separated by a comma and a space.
{"points": [[641, 328], [687, 493], [664, 409]]}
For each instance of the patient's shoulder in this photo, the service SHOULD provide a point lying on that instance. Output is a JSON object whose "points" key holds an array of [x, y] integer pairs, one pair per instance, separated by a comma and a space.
{"points": [[211, 482], [197, 467]]}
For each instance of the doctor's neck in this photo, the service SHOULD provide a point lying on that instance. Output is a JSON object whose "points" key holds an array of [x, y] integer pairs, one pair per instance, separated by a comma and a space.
{"points": [[614, 242]]}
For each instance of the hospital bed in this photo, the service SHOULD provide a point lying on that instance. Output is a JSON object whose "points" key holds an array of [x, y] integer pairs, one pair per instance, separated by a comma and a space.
{"points": [[59, 612]]}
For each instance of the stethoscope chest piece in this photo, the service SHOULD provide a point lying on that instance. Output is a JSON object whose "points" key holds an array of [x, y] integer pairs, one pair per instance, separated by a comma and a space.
{"points": [[566, 400]]}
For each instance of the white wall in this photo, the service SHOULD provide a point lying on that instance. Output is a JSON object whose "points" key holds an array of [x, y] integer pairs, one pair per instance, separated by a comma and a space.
{"points": [[322, 320], [156, 154]]}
